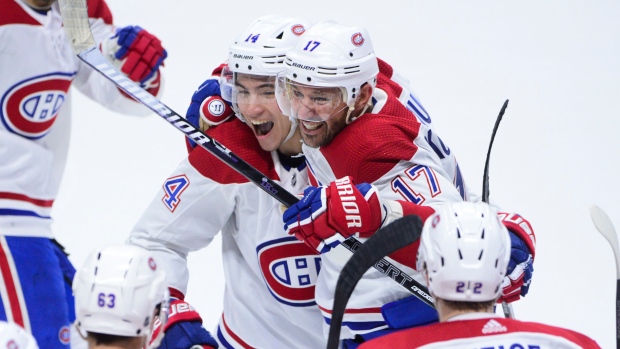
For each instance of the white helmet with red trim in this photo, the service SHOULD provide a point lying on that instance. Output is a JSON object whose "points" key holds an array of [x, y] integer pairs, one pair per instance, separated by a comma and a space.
{"points": [[13, 336], [260, 50], [329, 55], [464, 252], [120, 291]]}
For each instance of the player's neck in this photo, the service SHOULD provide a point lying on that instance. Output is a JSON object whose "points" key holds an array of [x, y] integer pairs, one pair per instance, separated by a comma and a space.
{"points": [[292, 146], [132, 343], [447, 312], [39, 5]]}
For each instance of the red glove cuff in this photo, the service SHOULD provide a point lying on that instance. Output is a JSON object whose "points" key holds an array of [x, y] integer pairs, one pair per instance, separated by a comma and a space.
{"points": [[521, 227]]}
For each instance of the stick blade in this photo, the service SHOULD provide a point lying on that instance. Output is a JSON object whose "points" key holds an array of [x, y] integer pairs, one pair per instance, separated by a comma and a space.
{"points": [[392, 237], [604, 225], [75, 21]]}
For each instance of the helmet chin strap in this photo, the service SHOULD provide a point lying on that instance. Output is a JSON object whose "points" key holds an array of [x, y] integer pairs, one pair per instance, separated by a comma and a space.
{"points": [[350, 119], [294, 124]]}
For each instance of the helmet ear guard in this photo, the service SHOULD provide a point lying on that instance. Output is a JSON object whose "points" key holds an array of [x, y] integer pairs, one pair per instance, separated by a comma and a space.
{"points": [[120, 291], [464, 252]]}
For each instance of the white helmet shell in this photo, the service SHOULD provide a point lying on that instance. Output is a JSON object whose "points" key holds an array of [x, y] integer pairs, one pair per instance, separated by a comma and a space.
{"points": [[464, 252], [117, 292], [334, 55], [14, 337], [262, 46]]}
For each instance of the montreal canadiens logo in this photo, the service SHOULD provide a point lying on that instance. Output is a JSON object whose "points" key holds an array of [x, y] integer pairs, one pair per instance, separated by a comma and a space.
{"points": [[152, 263], [64, 335], [30, 107], [298, 29], [357, 39], [290, 269]]}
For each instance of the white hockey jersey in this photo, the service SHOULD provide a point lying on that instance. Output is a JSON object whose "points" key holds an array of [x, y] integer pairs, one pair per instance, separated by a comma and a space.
{"points": [[270, 276], [37, 68], [393, 151], [483, 331]]}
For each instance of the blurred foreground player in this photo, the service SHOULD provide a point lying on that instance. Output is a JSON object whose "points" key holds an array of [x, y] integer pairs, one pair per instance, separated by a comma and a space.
{"points": [[463, 255]]}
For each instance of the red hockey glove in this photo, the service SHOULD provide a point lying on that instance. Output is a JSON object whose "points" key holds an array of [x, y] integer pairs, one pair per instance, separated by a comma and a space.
{"points": [[138, 54], [328, 215], [520, 267], [184, 328]]}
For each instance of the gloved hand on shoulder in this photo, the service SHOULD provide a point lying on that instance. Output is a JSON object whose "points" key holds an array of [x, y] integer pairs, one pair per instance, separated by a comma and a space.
{"points": [[138, 54], [520, 267], [184, 330]]}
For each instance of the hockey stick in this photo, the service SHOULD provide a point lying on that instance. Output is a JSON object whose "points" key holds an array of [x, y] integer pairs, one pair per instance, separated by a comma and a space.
{"points": [[77, 27], [606, 228], [392, 237], [506, 307]]}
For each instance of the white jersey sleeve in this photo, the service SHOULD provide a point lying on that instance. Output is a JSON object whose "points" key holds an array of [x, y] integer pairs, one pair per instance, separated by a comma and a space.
{"points": [[172, 230]]}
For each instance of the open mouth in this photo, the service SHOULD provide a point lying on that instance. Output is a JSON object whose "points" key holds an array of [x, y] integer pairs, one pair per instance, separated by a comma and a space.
{"points": [[262, 127], [311, 126]]}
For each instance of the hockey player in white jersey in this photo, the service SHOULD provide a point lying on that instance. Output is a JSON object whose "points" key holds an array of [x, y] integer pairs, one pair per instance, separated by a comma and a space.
{"points": [[270, 276], [357, 132], [122, 299], [463, 255], [38, 69]]}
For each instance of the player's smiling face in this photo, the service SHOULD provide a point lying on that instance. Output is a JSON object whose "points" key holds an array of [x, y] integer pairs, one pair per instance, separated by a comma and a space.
{"points": [[257, 103], [321, 112]]}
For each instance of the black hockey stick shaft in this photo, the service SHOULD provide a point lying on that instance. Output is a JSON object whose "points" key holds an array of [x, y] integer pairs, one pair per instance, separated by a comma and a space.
{"points": [[392, 237], [75, 20], [507, 308], [485, 176]]}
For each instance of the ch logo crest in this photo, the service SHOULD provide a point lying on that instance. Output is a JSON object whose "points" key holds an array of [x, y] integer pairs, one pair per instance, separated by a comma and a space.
{"points": [[290, 269], [30, 107]]}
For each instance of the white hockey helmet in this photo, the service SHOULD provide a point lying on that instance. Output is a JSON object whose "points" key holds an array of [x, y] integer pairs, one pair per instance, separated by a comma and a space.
{"points": [[260, 50], [464, 252], [120, 291], [15, 337], [329, 55]]}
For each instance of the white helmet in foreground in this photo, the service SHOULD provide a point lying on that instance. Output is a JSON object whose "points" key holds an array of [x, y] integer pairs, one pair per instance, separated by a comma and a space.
{"points": [[120, 291], [260, 50], [464, 252], [13, 336], [329, 55]]}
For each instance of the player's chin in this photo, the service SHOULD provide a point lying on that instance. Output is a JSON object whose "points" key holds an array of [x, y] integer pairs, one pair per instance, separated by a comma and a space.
{"points": [[269, 142]]}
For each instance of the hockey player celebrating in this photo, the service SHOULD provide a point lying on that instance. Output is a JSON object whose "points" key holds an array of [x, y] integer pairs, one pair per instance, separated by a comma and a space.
{"points": [[270, 276], [121, 299], [463, 255], [364, 149], [39, 67]]}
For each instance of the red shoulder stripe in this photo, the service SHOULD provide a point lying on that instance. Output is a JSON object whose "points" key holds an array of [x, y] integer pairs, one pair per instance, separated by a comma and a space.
{"points": [[13, 13], [99, 9]]}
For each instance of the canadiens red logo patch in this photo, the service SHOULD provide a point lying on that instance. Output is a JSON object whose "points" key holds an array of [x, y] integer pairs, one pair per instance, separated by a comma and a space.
{"points": [[290, 269], [357, 39], [30, 107], [298, 29], [152, 263], [64, 335]]}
